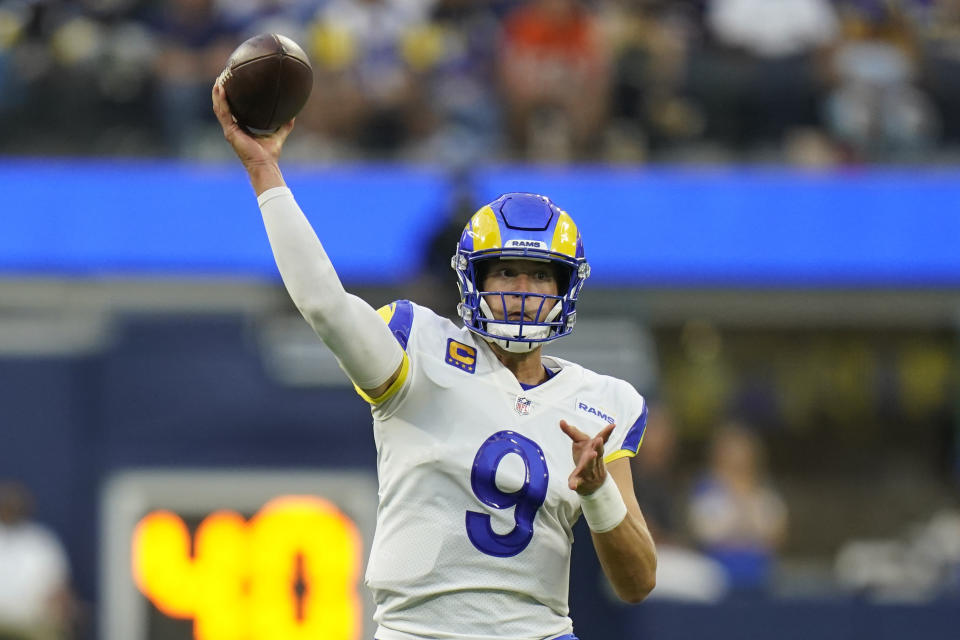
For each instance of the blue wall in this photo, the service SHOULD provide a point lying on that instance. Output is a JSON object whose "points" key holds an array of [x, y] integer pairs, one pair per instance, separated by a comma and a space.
{"points": [[742, 227]]}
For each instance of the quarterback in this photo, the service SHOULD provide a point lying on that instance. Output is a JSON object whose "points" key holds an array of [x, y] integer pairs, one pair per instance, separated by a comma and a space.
{"points": [[488, 451]]}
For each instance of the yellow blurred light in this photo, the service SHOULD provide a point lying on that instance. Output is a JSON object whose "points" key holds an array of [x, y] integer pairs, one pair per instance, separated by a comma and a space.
{"points": [[422, 48], [162, 566], [334, 49], [11, 28], [290, 572]]}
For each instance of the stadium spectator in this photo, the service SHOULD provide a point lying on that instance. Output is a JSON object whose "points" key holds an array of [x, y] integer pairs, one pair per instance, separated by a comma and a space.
{"points": [[683, 573], [466, 81], [735, 515], [194, 41], [756, 72], [939, 42], [555, 73], [454, 54], [371, 99], [651, 40], [252, 17], [922, 564], [876, 108], [14, 19], [49, 50], [35, 597]]}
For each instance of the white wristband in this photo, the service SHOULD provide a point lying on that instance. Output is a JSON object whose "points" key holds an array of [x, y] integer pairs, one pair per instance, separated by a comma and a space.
{"points": [[604, 509]]}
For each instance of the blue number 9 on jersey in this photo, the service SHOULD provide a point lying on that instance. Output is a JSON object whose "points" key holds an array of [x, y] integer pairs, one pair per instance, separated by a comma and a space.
{"points": [[527, 499]]}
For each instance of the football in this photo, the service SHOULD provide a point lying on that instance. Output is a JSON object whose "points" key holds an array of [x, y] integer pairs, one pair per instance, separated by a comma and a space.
{"points": [[267, 81]]}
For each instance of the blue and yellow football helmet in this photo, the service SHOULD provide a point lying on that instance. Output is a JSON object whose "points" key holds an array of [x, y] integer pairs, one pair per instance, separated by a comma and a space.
{"points": [[520, 226]]}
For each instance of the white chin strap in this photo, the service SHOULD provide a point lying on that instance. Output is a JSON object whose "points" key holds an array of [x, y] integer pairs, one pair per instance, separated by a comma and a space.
{"points": [[510, 332]]}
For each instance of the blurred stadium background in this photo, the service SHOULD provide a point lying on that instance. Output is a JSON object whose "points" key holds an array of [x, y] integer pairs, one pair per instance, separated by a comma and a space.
{"points": [[769, 197]]}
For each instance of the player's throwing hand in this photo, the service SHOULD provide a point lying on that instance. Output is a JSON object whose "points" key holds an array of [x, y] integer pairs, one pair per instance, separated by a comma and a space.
{"points": [[254, 152], [590, 472]]}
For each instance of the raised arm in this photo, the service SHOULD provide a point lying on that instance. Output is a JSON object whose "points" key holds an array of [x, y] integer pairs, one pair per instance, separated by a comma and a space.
{"points": [[351, 328]]}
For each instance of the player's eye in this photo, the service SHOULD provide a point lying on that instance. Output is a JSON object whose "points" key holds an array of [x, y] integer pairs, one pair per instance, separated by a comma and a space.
{"points": [[543, 275], [508, 272]]}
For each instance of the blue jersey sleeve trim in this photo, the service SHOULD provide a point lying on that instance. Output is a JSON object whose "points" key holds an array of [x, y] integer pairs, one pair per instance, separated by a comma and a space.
{"points": [[634, 436], [401, 322]]}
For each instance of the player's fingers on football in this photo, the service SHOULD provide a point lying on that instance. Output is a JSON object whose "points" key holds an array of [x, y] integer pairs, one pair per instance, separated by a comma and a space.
{"points": [[575, 434], [231, 130], [219, 103], [222, 110], [281, 135]]}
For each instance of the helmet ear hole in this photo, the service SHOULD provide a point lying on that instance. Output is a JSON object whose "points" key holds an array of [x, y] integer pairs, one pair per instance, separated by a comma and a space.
{"points": [[482, 269], [563, 281]]}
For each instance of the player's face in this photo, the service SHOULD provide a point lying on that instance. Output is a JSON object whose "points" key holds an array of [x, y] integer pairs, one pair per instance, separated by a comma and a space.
{"points": [[521, 276]]}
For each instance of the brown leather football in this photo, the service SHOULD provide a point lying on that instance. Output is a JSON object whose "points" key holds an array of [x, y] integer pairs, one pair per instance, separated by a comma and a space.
{"points": [[267, 81]]}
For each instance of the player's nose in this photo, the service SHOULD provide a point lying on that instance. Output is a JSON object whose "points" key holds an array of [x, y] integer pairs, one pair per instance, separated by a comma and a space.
{"points": [[520, 283]]}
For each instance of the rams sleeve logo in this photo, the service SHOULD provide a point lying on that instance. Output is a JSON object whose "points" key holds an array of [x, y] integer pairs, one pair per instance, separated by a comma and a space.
{"points": [[399, 317]]}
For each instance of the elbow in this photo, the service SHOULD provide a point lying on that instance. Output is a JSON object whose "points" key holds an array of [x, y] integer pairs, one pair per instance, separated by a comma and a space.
{"points": [[643, 581], [638, 591], [648, 586]]}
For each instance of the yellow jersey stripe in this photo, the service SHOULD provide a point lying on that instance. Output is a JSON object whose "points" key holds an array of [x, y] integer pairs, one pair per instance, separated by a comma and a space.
{"points": [[394, 386], [386, 312], [616, 455]]}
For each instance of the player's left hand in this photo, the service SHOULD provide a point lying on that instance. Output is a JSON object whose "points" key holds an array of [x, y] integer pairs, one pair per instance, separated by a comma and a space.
{"points": [[589, 472]]}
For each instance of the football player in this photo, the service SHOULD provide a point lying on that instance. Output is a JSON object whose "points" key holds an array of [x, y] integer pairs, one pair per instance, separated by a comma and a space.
{"points": [[487, 450]]}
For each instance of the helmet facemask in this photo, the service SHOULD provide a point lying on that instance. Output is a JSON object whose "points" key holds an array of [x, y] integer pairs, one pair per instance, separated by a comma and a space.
{"points": [[522, 335]]}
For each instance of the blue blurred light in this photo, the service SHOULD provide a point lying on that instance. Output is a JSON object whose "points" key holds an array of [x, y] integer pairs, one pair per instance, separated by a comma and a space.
{"points": [[84, 218], [757, 227], [641, 227]]}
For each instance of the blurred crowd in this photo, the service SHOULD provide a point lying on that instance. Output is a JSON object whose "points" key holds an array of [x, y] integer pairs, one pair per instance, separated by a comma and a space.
{"points": [[720, 529], [36, 601], [721, 525], [802, 82]]}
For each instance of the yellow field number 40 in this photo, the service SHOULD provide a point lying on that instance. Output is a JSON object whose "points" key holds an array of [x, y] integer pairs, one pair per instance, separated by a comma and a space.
{"points": [[290, 573]]}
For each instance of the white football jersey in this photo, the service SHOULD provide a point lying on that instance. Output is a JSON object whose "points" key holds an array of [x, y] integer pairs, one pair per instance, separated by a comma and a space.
{"points": [[474, 524]]}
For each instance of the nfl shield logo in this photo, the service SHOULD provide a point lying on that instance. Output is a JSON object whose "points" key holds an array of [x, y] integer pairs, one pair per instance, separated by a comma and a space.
{"points": [[523, 406]]}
